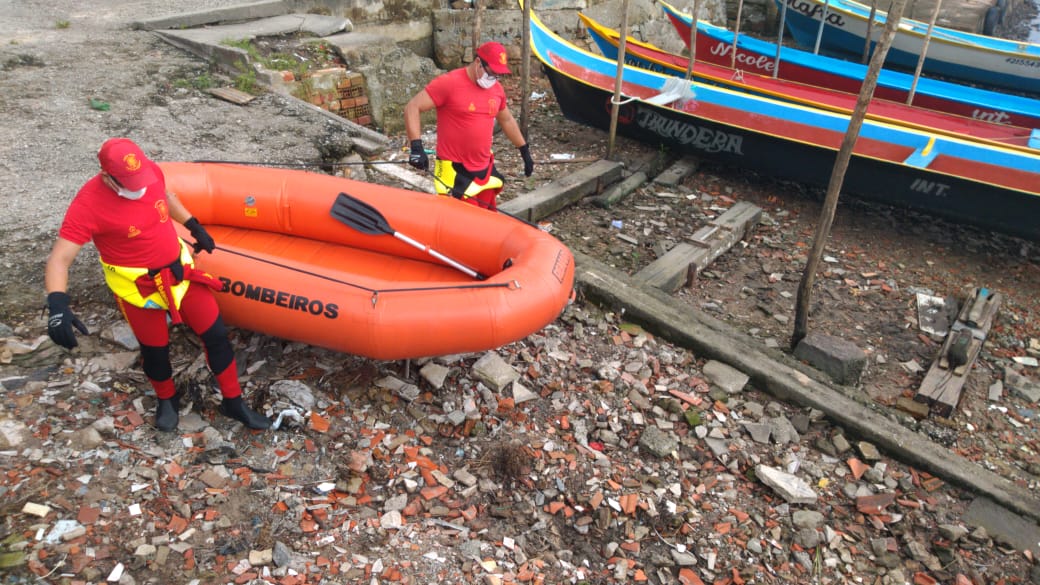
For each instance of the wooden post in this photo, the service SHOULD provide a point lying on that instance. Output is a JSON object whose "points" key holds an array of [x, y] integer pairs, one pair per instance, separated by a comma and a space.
{"points": [[478, 14], [870, 33], [780, 38], [693, 40], [616, 101], [525, 69], [823, 23], [823, 227], [736, 33], [924, 52]]}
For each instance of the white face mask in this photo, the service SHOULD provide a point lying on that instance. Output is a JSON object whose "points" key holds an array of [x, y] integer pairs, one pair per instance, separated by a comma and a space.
{"points": [[132, 195], [486, 81]]}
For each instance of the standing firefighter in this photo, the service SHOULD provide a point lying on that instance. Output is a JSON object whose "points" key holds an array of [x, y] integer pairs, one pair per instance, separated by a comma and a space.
{"points": [[468, 101], [126, 210]]}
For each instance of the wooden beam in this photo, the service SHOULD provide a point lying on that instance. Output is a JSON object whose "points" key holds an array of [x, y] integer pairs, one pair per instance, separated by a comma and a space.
{"points": [[942, 385], [680, 265]]}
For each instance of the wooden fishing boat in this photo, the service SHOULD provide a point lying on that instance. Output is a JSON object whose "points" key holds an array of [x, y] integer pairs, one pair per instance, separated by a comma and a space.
{"points": [[991, 186], [367, 269], [969, 57], [648, 56], [716, 45]]}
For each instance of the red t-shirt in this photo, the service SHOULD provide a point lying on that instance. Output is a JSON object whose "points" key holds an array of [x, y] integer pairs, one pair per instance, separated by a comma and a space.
{"points": [[127, 233], [465, 118]]}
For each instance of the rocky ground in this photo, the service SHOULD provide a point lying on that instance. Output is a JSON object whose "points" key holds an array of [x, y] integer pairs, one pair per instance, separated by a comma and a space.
{"points": [[591, 452]]}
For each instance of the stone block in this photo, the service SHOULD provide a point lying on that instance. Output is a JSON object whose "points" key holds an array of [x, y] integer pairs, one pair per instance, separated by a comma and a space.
{"points": [[839, 358]]}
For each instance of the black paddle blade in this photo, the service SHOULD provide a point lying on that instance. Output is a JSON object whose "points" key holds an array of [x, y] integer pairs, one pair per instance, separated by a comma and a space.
{"points": [[360, 215]]}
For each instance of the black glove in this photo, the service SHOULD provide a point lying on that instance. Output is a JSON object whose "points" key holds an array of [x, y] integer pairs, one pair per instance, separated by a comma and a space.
{"points": [[525, 152], [203, 241], [176, 269], [418, 158], [61, 321]]}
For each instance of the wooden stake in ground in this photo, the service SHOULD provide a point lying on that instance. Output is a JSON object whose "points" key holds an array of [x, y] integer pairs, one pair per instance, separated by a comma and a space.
{"points": [[615, 102], [870, 32], [525, 69], [736, 33], [924, 52], [693, 40], [823, 227], [478, 14]]}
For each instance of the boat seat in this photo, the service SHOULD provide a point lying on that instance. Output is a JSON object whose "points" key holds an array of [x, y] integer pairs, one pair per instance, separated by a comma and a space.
{"points": [[923, 156], [675, 89], [1034, 139]]}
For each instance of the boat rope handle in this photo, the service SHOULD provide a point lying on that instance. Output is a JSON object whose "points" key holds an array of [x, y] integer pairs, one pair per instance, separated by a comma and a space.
{"points": [[624, 101], [375, 292]]}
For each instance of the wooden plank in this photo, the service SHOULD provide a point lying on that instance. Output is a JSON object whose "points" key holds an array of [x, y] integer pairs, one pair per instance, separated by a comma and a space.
{"points": [[548, 199], [232, 95], [680, 265], [678, 171], [942, 385], [671, 271], [725, 231]]}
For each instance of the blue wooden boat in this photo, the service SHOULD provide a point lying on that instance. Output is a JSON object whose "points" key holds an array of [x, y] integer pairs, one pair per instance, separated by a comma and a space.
{"points": [[648, 56], [715, 44], [969, 57]]}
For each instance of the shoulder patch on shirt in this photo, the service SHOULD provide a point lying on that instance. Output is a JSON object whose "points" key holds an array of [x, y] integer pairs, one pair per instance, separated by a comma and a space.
{"points": [[164, 211]]}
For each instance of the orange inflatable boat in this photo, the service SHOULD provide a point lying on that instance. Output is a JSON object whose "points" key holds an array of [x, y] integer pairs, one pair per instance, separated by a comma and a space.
{"points": [[367, 269]]}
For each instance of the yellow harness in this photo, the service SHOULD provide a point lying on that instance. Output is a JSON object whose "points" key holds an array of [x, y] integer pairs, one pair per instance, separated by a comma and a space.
{"points": [[123, 282], [447, 174]]}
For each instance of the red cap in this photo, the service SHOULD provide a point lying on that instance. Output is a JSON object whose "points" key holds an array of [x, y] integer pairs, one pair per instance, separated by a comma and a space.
{"points": [[123, 159], [494, 54]]}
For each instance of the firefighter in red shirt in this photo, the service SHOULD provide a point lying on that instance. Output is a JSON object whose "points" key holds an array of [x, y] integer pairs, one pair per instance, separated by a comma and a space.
{"points": [[469, 101], [127, 212]]}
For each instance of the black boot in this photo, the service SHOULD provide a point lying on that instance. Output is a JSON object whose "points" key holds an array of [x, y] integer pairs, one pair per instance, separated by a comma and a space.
{"points": [[166, 417], [236, 408]]}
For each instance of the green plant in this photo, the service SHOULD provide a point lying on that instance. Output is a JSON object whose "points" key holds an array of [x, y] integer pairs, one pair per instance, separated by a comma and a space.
{"points": [[303, 89], [203, 82], [323, 53], [247, 82], [62, 24], [244, 44], [280, 62]]}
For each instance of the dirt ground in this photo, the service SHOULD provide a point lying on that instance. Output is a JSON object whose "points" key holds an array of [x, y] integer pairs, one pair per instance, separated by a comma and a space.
{"points": [[58, 56]]}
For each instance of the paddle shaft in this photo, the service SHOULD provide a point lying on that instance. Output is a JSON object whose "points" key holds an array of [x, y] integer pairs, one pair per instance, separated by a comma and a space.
{"points": [[438, 256], [367, 219]]}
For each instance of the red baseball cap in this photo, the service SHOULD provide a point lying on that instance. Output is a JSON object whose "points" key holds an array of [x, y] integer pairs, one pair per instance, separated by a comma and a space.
{"points": [[125, 161], [494, 54]]}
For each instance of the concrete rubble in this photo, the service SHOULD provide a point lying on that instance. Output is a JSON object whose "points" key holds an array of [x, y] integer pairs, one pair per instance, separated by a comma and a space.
{"points": [[590, 452]]}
